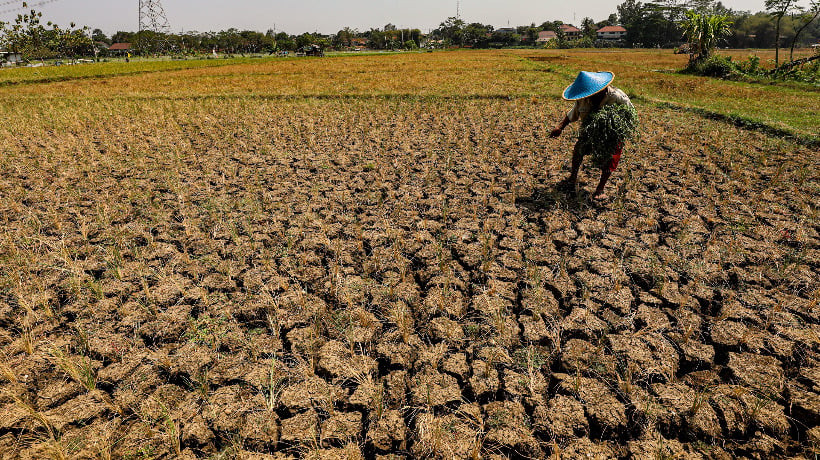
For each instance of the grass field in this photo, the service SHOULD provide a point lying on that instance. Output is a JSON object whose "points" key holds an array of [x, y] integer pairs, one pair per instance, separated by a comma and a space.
{"points": [[649, 75], [358, 256]]}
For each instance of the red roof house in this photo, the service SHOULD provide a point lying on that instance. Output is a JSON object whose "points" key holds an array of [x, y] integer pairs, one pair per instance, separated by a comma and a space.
{"points": [[611, 33], [120, 47], [545, 36], [570, 31]]}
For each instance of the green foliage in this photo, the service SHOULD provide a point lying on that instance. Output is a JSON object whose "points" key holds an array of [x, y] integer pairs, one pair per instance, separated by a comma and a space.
{"points": [[703, 32], [751, 66], [806, 19], [589, 28], [28, 37], [723, 67], [650, 24], [451, 31], [602, 131], [807, 73], [713, 66]]}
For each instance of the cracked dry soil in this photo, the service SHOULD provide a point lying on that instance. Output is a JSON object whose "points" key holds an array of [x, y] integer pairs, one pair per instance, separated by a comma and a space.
{"points": [[400, 278]]}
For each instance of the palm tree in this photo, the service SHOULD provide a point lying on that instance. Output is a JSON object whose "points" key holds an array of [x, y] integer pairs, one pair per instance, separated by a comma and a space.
{"points": [[703, 32]]}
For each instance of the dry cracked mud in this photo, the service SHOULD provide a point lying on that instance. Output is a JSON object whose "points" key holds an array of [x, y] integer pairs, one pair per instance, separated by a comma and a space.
{"points": [[400, 278]]}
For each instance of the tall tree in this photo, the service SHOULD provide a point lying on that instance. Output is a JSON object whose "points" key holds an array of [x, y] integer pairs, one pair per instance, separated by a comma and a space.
{"points": [[612, 20], [588, 28], [451, 30], [641, 22], [778, 9], [806, 18], [530, 34], [71, 42], [554, 26], [345, 37], [28, 37], [670, 12], [99, 36], [475, 34], [305, 39]]}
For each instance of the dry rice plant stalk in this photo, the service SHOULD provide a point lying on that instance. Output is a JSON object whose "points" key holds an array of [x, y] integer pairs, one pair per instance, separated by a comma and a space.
{"points": [[38, 416], [275, 386], [81, 371], [171, 429], [8, 373], [28, 340]]}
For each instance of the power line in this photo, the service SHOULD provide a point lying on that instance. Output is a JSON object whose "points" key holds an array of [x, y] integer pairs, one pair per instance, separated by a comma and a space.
{"points": [[152, 18], [20, 8]]}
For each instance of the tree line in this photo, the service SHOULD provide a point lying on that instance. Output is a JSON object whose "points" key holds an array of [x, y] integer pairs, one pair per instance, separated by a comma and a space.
{"points": [[28, 37], [234, 41], [658, 23]]}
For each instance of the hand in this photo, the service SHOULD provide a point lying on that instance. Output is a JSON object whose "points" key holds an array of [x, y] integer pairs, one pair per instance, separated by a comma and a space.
{"points": [[556, 132]]}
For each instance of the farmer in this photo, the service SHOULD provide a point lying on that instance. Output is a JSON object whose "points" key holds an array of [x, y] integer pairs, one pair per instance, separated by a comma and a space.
{"points": [[591, 91]]}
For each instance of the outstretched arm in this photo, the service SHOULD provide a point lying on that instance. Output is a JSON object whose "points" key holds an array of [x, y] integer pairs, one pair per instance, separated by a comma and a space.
{"points": [[559, 128]]}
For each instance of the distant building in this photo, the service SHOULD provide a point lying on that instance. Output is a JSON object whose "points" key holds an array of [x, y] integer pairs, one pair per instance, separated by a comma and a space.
{"points": [[358, 43], [570, 31], [506, 30], [545, 36], [120, 48], [9, 58], [611, 33]]}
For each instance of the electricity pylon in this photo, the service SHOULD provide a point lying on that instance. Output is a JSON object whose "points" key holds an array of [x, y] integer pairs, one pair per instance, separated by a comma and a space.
{"points": [[153, 27]]}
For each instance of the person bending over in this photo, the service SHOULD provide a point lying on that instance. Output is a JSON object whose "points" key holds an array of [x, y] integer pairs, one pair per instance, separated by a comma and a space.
{"points": [[591, 91]]}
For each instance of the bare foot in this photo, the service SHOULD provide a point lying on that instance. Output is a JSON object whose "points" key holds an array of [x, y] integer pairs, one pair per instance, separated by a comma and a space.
{"points": [[600, 197]]}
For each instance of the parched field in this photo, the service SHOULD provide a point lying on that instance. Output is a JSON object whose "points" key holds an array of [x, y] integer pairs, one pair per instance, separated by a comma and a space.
{"points": [[367, 256]]}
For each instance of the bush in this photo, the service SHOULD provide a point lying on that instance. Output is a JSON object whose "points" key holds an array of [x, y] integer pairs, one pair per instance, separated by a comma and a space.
{"points": [[714, 66], [751, 66], [584, 42], [751, 70], [717, 66], [806, 73]]}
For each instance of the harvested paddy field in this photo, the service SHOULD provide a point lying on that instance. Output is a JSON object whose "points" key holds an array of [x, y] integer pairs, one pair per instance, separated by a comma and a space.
{"points": [[367, 256]]}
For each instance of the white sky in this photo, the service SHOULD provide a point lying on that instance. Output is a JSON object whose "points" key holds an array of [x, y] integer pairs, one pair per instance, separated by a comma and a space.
{"points": [[326, 16]]}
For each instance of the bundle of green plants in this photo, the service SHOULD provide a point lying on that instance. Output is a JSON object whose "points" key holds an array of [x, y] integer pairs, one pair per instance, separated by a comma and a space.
{"points": [[604, 130]]}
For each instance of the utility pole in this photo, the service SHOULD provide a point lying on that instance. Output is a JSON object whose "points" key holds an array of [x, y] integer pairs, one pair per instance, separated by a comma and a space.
{"points": [[458, 9], [152, 19]]}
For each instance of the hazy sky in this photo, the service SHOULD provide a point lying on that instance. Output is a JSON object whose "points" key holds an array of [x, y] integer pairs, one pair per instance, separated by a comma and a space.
{"points": [[326, 16]]}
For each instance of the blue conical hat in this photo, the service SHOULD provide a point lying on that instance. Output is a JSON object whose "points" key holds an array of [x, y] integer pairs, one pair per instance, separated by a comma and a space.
{"points": [[587, 84]]}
